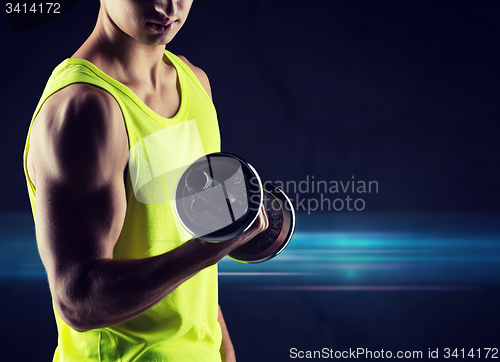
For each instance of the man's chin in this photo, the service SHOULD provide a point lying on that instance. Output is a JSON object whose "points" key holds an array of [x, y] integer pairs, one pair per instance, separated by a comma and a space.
{"points": [[156, 39]]}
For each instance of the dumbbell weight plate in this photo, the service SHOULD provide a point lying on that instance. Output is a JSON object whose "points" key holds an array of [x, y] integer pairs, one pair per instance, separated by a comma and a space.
{"points": [[218, 197], [272, 241]]}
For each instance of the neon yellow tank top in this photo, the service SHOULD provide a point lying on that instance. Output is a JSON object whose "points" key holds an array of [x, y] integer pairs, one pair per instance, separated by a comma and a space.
{"points": [[183, 327]]}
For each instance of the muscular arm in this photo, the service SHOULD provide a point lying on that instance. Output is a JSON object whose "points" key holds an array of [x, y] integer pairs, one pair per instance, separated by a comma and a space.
{"points": [[226, 348], [78, 153]]}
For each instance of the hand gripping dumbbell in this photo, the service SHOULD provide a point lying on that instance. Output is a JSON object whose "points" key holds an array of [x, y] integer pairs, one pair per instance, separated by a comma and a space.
{"points": [[219, 196]]}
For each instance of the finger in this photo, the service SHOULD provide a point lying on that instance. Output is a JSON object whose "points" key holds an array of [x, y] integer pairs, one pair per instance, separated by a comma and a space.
{"points": [[263, 220]]}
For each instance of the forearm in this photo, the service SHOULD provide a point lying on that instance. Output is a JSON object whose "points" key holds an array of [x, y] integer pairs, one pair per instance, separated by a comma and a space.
{"points": [[112, 291]]}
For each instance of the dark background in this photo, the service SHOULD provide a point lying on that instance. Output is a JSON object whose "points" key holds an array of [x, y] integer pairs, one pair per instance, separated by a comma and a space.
{"points": [[404, 95]]}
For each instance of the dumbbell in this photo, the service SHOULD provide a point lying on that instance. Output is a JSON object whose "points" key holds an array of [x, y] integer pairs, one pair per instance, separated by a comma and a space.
{"points": [[219, 196]]}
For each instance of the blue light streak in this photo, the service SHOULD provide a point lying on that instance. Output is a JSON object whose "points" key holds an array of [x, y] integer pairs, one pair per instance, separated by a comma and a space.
{"points": [[326, 260]]}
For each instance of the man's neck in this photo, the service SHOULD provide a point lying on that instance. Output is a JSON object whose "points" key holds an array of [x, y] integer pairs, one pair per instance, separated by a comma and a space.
{"points": [[123, 57]]}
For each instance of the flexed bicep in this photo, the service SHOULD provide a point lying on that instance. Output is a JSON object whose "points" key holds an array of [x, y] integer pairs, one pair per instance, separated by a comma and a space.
{"points": [[78, 152]]}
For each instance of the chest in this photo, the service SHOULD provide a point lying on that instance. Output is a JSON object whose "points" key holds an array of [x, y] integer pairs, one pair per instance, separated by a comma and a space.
{"points": [[165, 101]]}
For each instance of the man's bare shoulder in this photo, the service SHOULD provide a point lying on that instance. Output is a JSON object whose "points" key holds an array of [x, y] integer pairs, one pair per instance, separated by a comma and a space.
{"points": [[76, 101], [200, 74], [81, 93], [79, 129]]}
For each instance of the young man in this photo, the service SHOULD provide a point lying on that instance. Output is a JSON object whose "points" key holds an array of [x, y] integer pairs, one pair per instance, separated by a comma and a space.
{"points": [[114, 125]]}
